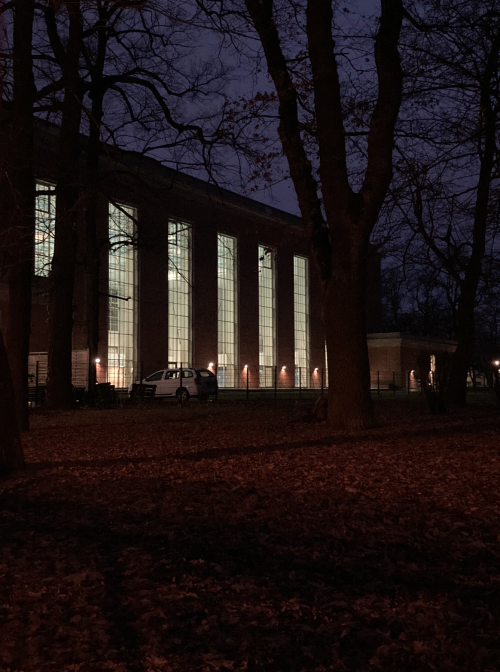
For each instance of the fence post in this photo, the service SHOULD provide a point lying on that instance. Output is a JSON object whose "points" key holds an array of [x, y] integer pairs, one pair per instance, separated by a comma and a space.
{"points": [[409, 375], [394, 382], [300, 382], [378, 383], [275, 379], [142, 371], [247, 382], [322, 381]]}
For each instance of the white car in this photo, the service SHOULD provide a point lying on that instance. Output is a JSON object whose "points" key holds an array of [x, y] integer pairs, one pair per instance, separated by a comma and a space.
{"points": [[199, 383]]}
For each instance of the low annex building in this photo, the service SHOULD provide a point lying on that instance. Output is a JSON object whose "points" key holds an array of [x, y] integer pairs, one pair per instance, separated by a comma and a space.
{"points": [[396, 359]]}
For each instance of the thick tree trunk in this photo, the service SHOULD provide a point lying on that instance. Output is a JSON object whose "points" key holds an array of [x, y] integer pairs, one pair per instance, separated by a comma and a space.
{"points": [[488, 115], [62, 276], [19, 329], [349, 398], [11, 448], [462, 357], [340, 248], [20, 182], [92, 272], [92, 258], [62, 280]]}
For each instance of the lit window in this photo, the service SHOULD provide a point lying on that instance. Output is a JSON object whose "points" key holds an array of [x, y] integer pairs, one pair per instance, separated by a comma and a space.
{"points": [[267, 316], [432, 372], [179, 294], [122, 303], [301, 320], [326, 365], [114, 315], [45, 219], [227, 310]]}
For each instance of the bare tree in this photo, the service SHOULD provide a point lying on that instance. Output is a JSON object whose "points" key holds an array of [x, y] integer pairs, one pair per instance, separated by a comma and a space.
{"points": [[135, 64], [118, 70], [299, 43], [68, 191], [448, 157], [18, 196]]}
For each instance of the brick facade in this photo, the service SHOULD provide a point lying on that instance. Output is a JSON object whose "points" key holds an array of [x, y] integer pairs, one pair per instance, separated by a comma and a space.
{"points": [[159, 194]]}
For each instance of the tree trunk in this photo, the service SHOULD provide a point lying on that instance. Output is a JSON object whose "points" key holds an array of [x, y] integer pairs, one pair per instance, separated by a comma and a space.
{"points": [[462, 357], [92, 272], [488, 115], [11, 448], [340, 248], [349, 398], [19, 329], [62, 276], [20, 182], [62, 279], [92, 252]]}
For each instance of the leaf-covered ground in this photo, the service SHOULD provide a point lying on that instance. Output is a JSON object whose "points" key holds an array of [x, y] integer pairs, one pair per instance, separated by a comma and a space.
{"points": [[236, 537]]}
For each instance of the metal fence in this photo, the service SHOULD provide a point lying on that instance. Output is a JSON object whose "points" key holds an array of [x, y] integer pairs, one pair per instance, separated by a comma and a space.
{"points": [[392, 381], [268, 380], [37, 374]]}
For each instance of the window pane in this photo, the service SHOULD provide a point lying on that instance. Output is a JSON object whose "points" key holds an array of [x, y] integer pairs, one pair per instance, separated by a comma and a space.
{"points": [[45, 220], [179, 293], [122, 303], [301, 320], [267, 316]]}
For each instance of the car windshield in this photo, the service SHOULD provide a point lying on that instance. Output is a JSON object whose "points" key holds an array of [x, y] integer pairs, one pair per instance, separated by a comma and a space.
{"points": [[155, 376]]}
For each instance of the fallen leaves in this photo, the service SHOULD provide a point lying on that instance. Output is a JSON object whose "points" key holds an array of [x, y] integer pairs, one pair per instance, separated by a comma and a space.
{"points": [[211, 537]]}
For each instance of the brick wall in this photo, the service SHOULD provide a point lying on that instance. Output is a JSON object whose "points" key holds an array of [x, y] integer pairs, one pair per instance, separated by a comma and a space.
{"points": [[159, 194]]}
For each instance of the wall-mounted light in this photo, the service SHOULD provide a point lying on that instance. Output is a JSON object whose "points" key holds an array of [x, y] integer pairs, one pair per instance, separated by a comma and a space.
{"points": [[97, 360], [210, 365], [497, 363], [246, 366], [283, 368], [316, 370]]}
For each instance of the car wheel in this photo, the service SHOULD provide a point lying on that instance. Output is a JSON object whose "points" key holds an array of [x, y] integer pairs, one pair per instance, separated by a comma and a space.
{"points": [[182, 394]]}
